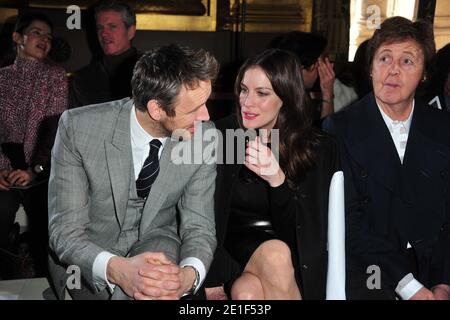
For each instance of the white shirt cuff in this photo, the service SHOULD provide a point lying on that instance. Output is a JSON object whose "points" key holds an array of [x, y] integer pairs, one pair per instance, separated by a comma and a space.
{"points": [[408, 286], [99, 269], [198, 265]]}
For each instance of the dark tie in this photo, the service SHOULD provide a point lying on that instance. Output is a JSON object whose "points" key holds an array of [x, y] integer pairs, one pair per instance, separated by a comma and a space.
{"points": [[149, 170]]}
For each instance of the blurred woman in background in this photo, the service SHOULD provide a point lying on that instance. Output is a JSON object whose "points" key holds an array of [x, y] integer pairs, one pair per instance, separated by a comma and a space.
{"points": [[33, 93]]}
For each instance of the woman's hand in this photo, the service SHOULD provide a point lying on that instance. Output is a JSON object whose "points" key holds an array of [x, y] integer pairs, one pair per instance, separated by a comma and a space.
{"points": [[21, 177], [326, 76], [4, 183], [215, 293], [260, 159]]}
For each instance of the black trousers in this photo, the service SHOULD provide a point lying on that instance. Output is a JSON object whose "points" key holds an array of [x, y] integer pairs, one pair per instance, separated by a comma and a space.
{"points": [[34, 201]]}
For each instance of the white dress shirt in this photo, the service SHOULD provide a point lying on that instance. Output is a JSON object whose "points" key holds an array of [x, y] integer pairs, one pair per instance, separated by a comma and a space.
{"points": [[399, 131], [408, 285], [140, 147]]}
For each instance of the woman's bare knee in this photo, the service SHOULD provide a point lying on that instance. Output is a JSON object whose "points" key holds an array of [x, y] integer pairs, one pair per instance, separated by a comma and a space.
{"points": [[247, 287], [271, 256], [272, 264]]}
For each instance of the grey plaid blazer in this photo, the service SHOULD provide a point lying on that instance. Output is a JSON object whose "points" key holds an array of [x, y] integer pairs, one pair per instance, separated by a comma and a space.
{"points": [[89, 192]]}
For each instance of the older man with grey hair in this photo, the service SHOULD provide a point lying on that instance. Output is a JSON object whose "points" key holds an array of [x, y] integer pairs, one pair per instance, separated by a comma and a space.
{"points": [[109, 78]]}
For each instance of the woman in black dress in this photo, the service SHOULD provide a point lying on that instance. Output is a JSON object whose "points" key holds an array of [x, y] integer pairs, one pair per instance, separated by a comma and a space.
{"points": [[271, 215]]}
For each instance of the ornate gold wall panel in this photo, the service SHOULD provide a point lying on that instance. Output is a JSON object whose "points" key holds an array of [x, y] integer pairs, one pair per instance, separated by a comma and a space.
{"points": [[176, 15], [442, 23], [362, 17], [269, 15], [193, 15], [6, 14]]}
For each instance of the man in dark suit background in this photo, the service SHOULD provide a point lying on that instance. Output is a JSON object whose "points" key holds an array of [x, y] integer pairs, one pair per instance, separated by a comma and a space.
{"points": [[108, 78]]}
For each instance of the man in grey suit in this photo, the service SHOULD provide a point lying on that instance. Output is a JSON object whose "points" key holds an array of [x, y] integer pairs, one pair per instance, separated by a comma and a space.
{"points": [[127, 244]]}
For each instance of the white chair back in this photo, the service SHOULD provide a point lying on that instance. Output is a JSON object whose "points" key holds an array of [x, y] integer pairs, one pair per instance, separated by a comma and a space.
{"points": [[336, 239]]}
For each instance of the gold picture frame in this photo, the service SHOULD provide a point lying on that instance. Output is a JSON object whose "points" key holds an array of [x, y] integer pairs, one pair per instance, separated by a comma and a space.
{"points": [[171, 22], [270, 15], [167, 15], [202, 15], [6, 14]]}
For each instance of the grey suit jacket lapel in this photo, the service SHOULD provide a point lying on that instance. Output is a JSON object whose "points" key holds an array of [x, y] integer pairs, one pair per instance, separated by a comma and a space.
{"points": [[119, 161], [161, 187]]}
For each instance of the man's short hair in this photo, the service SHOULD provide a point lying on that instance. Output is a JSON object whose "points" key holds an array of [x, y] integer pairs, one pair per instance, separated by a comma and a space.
{"points": [[160, 74], [398, 29], [128, 14]]}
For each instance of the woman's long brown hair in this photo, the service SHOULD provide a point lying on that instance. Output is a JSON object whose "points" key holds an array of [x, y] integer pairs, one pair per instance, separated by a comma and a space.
{"points": [[298, 137]]}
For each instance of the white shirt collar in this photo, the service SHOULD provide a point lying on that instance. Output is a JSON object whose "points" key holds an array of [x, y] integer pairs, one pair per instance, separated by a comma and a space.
{"points": [[140, 137], [390, 123]]}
